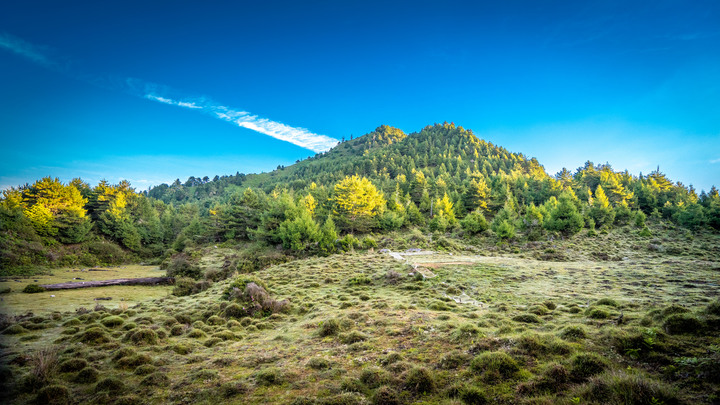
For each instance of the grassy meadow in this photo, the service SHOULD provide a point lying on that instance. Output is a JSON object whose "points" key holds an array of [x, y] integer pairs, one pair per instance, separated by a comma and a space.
{"points": [[616, 319]]}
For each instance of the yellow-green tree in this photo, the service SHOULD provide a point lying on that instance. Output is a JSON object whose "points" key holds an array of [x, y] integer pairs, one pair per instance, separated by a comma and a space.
{"points": [[56, 209], [356, 203]]}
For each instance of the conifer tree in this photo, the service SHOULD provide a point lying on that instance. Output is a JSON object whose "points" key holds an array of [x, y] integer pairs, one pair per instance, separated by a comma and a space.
{"points": [[356, 203]]}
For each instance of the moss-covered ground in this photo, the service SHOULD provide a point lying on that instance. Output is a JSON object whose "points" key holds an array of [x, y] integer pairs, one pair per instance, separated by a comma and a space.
{"points": [[612, 319]]}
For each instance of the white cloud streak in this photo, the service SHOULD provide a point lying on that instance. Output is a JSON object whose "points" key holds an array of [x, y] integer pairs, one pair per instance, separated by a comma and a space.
{"points": [[25, 49], [297, 136]]}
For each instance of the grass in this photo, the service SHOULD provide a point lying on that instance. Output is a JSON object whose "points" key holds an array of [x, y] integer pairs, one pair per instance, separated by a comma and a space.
{"points": [[522, 333], [16, 302]]}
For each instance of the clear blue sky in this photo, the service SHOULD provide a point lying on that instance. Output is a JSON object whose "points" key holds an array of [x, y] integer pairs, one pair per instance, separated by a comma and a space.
{"points": [[151, 91]]}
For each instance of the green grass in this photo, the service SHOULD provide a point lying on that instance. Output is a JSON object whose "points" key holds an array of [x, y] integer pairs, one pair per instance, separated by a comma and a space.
{"points": [[524, 334], [16, 302]]}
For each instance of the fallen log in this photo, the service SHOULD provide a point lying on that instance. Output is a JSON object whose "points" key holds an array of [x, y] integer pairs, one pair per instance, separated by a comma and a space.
{"points": [[105, 283]]}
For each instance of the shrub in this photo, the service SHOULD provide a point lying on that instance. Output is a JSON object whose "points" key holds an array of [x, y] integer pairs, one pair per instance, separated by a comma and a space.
{"points": [[597, 313], [453, 360], [177, 330], [112, 321], [420, 381], [352, 337], [329, 327], [234, 311], [474, 223], [144, 337], [181, 266], [53, 394], [318, 363], [677, 324], [713, 308], [360, 280], [156, 379], [231, 389], [495, 364], [385, 396], [607, 301], [185, 286], [269, 376], [72, 365], [87, 375], [110, 384], [466, 331], [145, 369], [472, 395], [94, 335], [134, 361], [373, 377], [182, 349], [586, 365], [33, 289], [527, 318], [15, 329], [627, 388], [573, 333], [197, 334]]}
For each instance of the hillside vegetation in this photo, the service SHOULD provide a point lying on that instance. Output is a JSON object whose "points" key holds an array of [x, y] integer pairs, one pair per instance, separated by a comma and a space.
{"points": [[430, 268], [442, 179]]}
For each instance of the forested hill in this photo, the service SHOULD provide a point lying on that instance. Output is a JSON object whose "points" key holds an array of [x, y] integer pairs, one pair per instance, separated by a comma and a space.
{"points": [[442, 179], [446, 154]]}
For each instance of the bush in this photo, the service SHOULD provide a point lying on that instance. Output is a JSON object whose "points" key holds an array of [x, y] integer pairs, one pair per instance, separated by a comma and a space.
{"points": [[472, 395], [112, 321], [329, 327], [110, 384], [107, 253], [677, 324], [318, 363], [33, 289], [360, 280], [87, 375], [269, 376], [145, 369], [156, 379], [134, 361], [373, 377], [53, 394], [495, 364], [586, 365], [72, 365], [474, 223], [385, 396], [143, 337], [94, 335], [627, 388], [420, 381], [573, 332], [607, 301], [453, 360], [527, 318], [15, 329], [185, 286], [181, 266]]}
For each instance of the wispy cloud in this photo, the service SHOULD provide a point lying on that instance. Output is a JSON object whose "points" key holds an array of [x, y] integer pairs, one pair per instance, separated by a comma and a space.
{"points": [[295, 135], [25, 49], [715, 161]]}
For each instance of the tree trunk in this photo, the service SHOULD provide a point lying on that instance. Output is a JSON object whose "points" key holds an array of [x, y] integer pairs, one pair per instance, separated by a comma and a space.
{"points": [[103, 283]]}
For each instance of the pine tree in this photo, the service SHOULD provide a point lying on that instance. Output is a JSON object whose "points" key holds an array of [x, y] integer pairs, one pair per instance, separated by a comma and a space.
{"points": [[356, 203]]}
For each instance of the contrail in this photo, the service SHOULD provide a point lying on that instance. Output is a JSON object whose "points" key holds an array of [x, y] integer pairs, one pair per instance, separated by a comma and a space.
{"points": [[150, 91]]}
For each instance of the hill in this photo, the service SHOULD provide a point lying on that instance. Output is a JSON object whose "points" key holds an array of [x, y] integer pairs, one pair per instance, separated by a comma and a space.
{"points": [[430, 267]]}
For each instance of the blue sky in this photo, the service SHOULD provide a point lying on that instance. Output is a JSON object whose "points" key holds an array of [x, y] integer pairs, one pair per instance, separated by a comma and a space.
{"points": [[170, 89]]}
